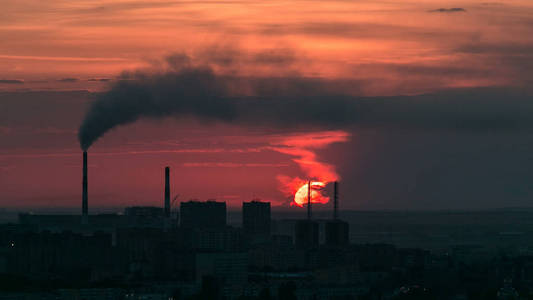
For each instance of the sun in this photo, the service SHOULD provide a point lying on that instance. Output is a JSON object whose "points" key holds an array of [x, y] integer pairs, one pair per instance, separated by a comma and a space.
{"points": [[300, 197]]}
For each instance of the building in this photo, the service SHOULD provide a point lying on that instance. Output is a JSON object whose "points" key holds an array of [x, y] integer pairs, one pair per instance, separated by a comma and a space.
{"points": [[256, 219], [209, 214], [60, 223], [144, 211], [306, 234], [228, 268], [213, 239], [337, 233]]}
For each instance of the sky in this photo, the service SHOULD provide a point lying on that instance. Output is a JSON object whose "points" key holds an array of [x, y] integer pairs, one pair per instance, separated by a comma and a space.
{"points": [[408, 104]]}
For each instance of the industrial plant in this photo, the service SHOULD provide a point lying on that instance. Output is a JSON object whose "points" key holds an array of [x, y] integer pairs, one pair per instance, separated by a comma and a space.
{"points": [[191, 251]]}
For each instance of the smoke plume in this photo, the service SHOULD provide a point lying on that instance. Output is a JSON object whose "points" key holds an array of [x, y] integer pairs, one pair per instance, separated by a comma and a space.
{"points": [[200, 93], [187, 89]]}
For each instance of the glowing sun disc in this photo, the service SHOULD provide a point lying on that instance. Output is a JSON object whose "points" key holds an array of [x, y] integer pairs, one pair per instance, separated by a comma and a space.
{"points": [[300, 197]]}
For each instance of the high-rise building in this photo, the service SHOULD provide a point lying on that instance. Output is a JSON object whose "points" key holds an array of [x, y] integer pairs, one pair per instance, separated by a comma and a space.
{"points": [[337, 233], [209, 214], [256, 218], [306, 234]]}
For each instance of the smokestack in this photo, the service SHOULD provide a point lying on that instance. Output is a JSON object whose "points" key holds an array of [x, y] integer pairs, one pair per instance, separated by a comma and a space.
{"points": [[335, 201], [167, 192], [84, 198], [309, 200]]}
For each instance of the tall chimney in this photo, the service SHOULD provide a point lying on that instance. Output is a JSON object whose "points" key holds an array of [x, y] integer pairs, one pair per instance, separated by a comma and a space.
{"points": [[167, 192], [84, 198], [309, 200], [335, 201]]}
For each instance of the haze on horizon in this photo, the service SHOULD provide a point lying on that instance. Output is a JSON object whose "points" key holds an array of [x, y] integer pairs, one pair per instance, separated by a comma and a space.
{"points": [[426, 104]]}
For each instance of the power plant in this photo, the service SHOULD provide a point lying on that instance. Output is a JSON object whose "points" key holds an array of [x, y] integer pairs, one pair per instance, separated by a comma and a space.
{"points": [[209, 215], [130, 211]]}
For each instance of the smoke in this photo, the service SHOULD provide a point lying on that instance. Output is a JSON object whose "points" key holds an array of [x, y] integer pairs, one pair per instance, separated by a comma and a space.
{"points": [[196, 91], [184, 88]]}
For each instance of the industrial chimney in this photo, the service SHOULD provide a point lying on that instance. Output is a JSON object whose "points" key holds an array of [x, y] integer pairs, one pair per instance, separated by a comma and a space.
{"points": [[84, 200], [167, 192], [309, 200], [335, 201]]}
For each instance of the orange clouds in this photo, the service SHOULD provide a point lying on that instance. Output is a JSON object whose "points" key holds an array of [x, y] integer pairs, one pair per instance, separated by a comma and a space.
{"points": [[304, 147], [396, 47]]}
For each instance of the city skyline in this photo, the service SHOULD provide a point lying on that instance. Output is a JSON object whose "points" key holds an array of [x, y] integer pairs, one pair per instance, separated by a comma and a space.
{"points": [[266, 150]]}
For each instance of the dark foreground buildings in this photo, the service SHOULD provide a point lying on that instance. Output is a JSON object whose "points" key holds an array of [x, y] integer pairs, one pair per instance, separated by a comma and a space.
{"points": [[146, 253], [195, 214], [256, 219]]}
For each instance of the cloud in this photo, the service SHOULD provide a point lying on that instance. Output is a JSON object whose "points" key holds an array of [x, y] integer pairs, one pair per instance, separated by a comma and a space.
{"points": [[114, 8], [360, 30], [99, 79], [68, 80], [303, 147], [64, 58], [448, 10], [11, 81]]}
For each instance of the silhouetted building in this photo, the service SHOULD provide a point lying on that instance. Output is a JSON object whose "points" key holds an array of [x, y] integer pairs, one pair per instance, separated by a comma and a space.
{"points": [[256, 218], [228, 268], [306, 234], [147, 217], [213, 239], [144, 211], [34, 254], [59, 223], [209, 214], [337, 233]]}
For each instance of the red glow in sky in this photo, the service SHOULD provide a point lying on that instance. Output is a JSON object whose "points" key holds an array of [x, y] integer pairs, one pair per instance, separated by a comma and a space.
{"points": [[53, 52], [304, 147]]}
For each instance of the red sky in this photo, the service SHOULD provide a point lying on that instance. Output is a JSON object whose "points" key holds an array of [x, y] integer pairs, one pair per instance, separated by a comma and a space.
{"points": [[397, 46], [368, 48]]}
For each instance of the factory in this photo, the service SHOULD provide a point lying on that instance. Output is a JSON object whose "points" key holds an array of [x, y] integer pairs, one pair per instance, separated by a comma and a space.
{"points": [[207, 218]]}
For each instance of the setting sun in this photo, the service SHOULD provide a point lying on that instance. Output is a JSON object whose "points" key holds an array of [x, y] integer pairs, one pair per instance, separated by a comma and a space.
{"points": [[317, 188]]}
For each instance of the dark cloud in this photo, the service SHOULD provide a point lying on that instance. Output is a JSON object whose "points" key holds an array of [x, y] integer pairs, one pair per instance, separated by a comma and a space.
{"points": [[11, 81], [426, 170], [231, 56], [515, 60], [68, 80], [507, 49], [492, 4], [448, 10], [275, 57], [99, 79], [293, 102], [111, 7], [360, 30]]}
